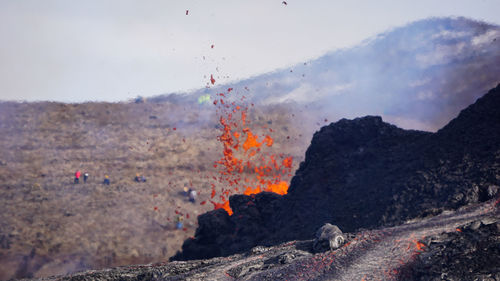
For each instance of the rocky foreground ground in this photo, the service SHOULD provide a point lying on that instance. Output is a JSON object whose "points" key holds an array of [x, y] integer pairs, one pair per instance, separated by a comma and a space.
{"points": [[456, 245]]}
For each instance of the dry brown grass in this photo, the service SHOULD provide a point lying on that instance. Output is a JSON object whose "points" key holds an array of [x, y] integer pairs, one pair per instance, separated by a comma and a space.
{"points": [[50, 226]]}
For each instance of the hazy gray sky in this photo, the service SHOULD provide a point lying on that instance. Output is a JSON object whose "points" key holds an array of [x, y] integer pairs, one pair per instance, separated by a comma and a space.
{"points": [[75, 51]]}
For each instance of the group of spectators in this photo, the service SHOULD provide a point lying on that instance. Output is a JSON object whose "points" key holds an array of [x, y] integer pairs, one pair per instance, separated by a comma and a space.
{"points": [[191, 196], [189, 192], [78, 174], [77, 177], [106, 181]]}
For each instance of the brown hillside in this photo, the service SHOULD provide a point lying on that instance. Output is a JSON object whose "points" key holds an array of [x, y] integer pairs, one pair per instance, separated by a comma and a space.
{"points": [[48, 225]]}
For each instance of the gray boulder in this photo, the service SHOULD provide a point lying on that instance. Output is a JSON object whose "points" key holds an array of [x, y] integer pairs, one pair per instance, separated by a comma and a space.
{"points": [[328, 237]]}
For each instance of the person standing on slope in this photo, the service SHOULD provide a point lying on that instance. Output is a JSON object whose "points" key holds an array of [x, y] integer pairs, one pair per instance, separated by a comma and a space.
{"points": [[192, 195], [77, 176], [178, 221], [106, 180]]}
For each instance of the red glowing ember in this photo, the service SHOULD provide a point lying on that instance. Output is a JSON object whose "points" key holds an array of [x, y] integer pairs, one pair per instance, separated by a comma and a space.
{"points": [[420, 246], [224, 205], [287, 162], [251, 141]]}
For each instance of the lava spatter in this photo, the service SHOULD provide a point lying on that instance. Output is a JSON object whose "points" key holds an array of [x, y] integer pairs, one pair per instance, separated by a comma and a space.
{"points": [[245, 165]]}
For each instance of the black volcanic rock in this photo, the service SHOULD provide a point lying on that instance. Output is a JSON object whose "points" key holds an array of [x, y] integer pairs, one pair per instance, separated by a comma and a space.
{"points": [[212, 228], [472, 253], [365, 173], [349, 173], [252, 217]]}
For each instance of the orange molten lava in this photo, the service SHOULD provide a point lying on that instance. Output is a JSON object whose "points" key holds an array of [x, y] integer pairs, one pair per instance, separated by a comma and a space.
{"points": [[249, 190], [249, 169], [420, 246], [280, 188], [268, 140], [224, 205], [287, 162], [251, 141]]}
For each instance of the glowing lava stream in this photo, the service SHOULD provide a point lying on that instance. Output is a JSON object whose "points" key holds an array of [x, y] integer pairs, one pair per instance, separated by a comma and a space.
{"points": [[379, 254], [245, 167]]}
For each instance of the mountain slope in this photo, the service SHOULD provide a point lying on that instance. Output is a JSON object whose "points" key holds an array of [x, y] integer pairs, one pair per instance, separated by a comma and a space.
{"points": [[48, 225], [417, 76]]}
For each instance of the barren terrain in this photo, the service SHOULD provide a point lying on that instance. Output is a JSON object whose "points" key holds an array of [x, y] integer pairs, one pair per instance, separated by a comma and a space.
{"points": [[48, 225]]}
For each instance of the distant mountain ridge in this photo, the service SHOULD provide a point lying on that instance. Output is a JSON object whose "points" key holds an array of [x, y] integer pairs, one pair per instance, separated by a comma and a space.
{"points": [[418, 76]]}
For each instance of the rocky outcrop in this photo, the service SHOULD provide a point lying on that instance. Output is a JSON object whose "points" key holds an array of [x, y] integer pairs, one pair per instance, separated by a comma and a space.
{"points": [[252, 217], [471, 253], [365, 173]]}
